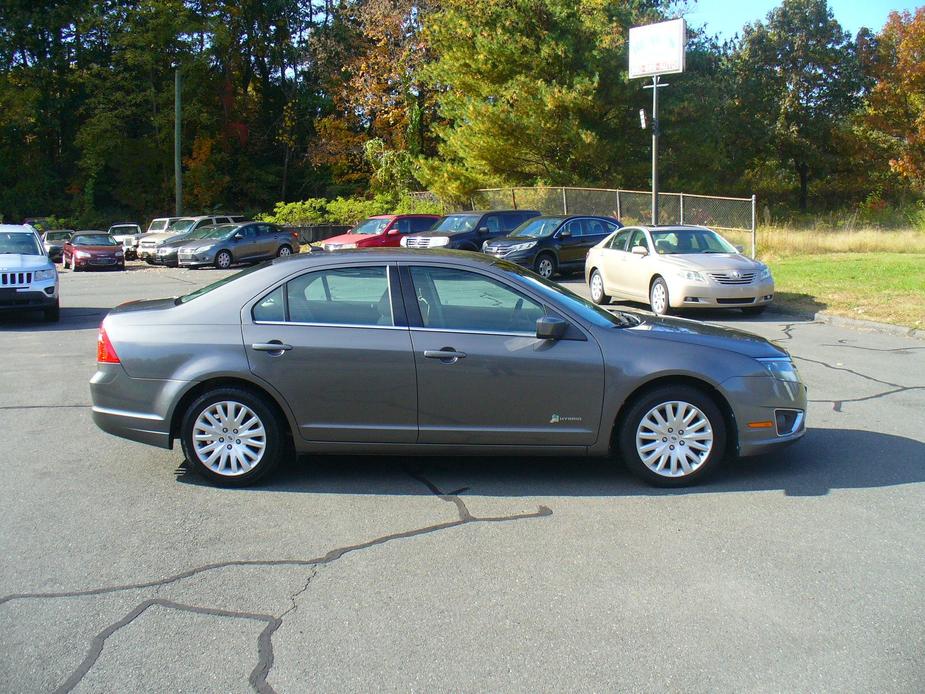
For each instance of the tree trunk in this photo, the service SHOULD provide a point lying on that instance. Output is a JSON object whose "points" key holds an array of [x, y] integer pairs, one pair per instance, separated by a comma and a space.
{"points": [[803, 171]]}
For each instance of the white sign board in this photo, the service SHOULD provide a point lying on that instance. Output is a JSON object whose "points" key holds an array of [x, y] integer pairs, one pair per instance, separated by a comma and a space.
{"points": [[657, 49]]}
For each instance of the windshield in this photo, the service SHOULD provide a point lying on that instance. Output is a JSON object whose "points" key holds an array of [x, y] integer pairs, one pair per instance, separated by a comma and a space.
{"points": [[181, 225], [456, 223], [220, 283], [158, 225], [370, 226], [20, 244], [125, 229], [201, 233], [538, 227], [219, 232], [690, 241], [57, 235], [94, 240], [590, 312]]}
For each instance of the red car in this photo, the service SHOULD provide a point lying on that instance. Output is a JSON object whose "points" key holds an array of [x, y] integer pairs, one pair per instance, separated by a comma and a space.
{"points": [[89, 250], [381, 231]]}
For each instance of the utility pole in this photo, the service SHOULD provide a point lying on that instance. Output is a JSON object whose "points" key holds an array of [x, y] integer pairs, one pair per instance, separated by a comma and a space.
{"points": [[177, 133], [655, 86]]}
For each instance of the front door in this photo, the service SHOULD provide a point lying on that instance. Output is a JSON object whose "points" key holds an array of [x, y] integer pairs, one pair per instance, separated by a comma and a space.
{"points": [[484, 377], [344, 362]]}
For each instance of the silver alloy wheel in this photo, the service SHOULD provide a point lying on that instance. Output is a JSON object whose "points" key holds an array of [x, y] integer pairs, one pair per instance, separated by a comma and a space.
{"points": [[229, 438], [674, 439], [597, 287], [284, 251], [224, 260], [659, 298], [544, 268]]}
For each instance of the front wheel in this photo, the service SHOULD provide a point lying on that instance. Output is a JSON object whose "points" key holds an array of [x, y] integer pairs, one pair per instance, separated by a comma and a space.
{"points": [[223, 260], [283, 252], [53, 313], [231, 437], [545, 265], [673, 437], [597, 289], [658, 297]]}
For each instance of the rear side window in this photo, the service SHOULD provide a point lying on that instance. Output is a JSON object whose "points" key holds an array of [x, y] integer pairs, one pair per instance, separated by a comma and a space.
{"points": [[341, 296], [271, 307], [403, 226], [596, 227]]}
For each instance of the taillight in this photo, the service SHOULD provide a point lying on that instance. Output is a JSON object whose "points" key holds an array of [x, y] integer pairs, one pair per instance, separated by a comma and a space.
{"points": [[295, 234], [105, 352]]}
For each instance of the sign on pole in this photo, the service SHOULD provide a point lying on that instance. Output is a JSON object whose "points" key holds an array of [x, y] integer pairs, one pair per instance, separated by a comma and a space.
{"points": [[657, 49]]}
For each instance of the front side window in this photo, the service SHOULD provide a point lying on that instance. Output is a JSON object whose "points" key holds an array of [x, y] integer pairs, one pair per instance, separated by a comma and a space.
{"points": [[341, 296], [575, 228], [492, 223], [421, 224], [451, 299], [372, 226], [638, 239], [618, 241]]}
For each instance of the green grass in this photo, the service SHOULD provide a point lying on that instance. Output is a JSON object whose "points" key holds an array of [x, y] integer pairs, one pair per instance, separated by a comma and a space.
{"points": [[886, 287]]}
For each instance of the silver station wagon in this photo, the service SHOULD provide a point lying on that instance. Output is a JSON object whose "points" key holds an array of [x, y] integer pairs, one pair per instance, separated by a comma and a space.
{"points": [[432, 352]]}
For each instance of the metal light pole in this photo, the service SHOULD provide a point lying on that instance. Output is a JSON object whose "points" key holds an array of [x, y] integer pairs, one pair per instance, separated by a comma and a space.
{"points": [[177, 132], [655, 86]]}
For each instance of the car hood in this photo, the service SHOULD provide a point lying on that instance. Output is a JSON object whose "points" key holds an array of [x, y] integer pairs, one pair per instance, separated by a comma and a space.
{"points": [[439, 233], [712, 262], [16, 261], [349, 238], [506, 241], [176, 242], [163, 236], [705, 335]]}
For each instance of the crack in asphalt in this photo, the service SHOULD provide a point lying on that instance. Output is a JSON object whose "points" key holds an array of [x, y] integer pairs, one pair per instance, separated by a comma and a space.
{"points": [[43, 407], [894, 350], [258, 677]]}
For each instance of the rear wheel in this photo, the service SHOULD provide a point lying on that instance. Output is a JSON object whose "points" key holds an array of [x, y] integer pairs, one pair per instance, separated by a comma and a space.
{"points": [[673, 436], [597, 289], [231, 437], [545, 265], [223, 260], [63, 262], [658, 297]]}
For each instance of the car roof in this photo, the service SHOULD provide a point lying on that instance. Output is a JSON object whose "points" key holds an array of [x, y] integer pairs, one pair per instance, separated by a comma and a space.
{"points": [[670, 227], [17, 229], [484, 212]]}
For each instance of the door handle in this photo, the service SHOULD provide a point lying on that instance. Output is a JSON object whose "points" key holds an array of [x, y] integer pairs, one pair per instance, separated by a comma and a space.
{"points": [[273, 346], [447, 355]]}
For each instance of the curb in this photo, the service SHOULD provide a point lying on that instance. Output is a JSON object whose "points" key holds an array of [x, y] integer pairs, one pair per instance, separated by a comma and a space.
{"points": [[854, 323]]}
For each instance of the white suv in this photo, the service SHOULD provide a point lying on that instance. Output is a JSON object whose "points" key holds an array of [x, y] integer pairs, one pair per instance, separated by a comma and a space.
{"points": [[28, 278]]}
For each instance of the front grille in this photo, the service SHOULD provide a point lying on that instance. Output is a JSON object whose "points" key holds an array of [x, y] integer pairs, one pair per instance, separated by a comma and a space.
{"points": [[15, 279], [733, 277], [149, 244], [744, 300], [418, 241]]}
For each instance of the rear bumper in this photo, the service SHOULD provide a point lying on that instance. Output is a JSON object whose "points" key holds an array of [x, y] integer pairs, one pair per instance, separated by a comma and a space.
{"points": [[138, 409], [758, 400]]}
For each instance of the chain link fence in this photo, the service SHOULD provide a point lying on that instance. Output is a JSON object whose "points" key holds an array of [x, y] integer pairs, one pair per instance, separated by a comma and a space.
{"points": [[629, 206]]}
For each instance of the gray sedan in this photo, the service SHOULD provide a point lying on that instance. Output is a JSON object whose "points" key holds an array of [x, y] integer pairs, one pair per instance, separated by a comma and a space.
{"points": [[434, 353], [227, 244]]}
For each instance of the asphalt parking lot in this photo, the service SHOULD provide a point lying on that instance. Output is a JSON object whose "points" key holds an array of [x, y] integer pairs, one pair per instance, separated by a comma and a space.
{"points": [[801, 571]]}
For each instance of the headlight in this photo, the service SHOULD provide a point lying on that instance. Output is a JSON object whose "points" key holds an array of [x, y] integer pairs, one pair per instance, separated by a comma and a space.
{"points": [[81, 254], [436, 241], [764, 274], [521, 247], [202, 249], [691, 276], [781, 368], [118, 254], [404, 242], [41, 275]]}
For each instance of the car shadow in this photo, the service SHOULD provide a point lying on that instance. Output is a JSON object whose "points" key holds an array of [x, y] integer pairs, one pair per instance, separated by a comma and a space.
{"points": [[791, 307], [72, 318], [826, 459]]}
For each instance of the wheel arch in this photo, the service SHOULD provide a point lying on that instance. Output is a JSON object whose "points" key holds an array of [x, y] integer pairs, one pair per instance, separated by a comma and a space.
{"points": [[707, 388], [200, 387]]}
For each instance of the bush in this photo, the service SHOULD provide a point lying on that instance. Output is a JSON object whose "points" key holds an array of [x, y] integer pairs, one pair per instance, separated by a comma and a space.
{"points": [[343, 210]]}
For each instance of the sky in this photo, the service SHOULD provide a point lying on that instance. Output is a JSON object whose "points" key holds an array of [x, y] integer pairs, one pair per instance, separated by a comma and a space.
{"points": [[727, 17]]}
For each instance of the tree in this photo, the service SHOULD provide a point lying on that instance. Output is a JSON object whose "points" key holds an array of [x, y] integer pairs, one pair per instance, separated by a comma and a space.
{"points": [[896, 104], [797, 82]]}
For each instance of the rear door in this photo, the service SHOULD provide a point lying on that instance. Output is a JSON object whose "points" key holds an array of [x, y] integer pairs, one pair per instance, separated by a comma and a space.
{"points": [[344, 362], [482, 375]]}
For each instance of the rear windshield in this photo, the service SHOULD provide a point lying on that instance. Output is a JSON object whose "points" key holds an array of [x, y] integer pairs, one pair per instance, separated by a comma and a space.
{"points": [[19, 244]]}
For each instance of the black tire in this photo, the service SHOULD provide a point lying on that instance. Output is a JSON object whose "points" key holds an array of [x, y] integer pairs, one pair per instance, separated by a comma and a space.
{"points": [[642, 406], [63, 263], [275, 442], [754, 310], [281, 252], [53, 313], [661, 308], [602, 298], [545, 265], [223, 260]]}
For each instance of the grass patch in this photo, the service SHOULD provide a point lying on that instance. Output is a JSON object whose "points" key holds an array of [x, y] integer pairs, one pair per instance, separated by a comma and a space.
{"points": [[783, 242], [886, 287]]}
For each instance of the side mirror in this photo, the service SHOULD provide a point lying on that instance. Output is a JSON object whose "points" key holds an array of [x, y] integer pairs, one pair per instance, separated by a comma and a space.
{"points": [[238, 235], [483, 230], [640, 250], [392, 232], [550, 328], [565, 233], [740, 249]]}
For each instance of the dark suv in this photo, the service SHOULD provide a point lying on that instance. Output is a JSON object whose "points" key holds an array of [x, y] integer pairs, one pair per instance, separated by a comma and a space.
{"points": [[468, 231], [553, 243]]}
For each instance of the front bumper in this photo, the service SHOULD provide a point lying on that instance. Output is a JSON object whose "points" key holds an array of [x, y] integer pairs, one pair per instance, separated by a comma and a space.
{"points": [[32, 298], [710, 294], [757, 400], [138, 409], [168, 259], [522, 258], [190, 259]]}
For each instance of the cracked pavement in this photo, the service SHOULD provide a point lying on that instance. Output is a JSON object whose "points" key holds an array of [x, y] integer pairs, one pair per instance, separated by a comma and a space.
{"points": [[800, 571]]}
